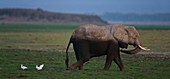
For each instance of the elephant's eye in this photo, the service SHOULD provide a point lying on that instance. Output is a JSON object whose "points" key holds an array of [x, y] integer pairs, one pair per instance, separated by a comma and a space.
{"points": [[136, 36]]}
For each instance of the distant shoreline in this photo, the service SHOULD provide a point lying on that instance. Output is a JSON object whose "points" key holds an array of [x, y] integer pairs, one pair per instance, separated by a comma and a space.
{"points": [[139, 23]]}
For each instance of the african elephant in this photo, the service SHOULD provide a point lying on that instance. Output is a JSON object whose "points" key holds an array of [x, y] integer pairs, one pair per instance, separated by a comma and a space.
{"points": [[93, 41]]}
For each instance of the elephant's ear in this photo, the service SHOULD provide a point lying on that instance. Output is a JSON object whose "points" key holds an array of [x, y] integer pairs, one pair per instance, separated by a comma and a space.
{"points": [[121, 34]]}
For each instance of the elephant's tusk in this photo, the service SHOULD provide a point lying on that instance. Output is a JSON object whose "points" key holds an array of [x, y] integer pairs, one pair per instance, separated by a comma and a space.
{"points": [[144, 48]]}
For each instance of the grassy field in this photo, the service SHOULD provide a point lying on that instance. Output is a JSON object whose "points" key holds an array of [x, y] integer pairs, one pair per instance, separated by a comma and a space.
{"points": [[36, 44], [137, 66]]}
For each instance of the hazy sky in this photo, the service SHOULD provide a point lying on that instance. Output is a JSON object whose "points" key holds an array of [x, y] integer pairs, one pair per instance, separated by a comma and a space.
{"points": [[92, 6]]}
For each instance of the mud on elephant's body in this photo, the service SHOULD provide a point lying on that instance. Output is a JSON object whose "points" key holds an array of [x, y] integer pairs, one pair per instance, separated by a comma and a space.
{"points": [[93, 41]]}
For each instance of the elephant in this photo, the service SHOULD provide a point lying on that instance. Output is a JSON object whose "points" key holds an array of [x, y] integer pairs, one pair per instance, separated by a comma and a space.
{"points": [[93, 41]]}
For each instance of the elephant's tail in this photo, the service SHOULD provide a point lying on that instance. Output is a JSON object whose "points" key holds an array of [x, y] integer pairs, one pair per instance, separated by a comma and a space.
{"points": [[67, 58]]}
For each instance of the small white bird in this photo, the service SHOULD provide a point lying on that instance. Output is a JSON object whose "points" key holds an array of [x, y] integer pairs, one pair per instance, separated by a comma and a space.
{"points": [[23, 67], [40, 67]]}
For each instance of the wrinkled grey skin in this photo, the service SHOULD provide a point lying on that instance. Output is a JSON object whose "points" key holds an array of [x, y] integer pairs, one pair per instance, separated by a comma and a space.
{"points": [[93, 41]]}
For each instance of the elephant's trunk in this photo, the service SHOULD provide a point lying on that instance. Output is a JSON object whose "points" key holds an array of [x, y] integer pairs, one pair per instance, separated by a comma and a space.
{"points": [[137, 49], [133, 51]]}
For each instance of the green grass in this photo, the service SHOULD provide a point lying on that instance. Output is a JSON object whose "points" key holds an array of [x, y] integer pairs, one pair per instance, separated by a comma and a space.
{"points": [[152, 27], [156, 40], [57, 39], [36, 44], [34, 27], [47, 41], [136, 66], [48, 27]]}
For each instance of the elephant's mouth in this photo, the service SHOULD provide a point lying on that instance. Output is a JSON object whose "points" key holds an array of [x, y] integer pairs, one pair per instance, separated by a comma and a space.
{"points": [[137, 48]]}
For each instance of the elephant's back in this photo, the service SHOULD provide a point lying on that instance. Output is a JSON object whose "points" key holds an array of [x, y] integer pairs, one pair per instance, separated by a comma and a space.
{"points": [[92, 32]]}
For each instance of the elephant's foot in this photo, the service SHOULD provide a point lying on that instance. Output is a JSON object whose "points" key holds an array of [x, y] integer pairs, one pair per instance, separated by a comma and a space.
{"points": [[121, 69], [75, 66], [81, 67], [106, 69], [71, 68]]}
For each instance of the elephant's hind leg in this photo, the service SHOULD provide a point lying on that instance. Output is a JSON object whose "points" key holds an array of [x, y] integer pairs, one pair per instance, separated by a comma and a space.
{"points": [[78, 58], [79, 64], [82, 54], [81, 67]]}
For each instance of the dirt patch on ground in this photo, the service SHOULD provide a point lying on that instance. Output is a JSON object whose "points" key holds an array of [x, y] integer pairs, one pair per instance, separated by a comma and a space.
{"points": [[151, 55]]}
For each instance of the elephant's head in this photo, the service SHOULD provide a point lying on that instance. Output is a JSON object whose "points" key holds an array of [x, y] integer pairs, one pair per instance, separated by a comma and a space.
{"points": [[128, 35]]}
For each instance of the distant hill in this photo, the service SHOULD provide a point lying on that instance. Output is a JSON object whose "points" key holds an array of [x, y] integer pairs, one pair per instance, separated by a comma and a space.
{"points": [[137, 18], [39, 16]]}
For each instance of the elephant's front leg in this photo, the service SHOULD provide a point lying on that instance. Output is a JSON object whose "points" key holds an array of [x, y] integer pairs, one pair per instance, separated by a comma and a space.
{"points": [[118, 61], [111, 51], [108, 61]]}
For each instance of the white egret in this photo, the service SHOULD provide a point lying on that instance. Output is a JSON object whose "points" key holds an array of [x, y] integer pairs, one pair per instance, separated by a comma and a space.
{"points": [[23, 67], [39, 67]]}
